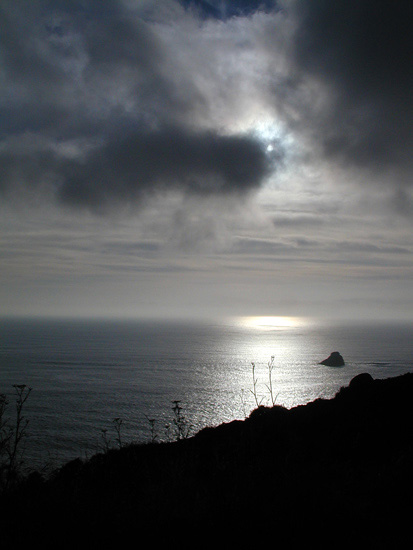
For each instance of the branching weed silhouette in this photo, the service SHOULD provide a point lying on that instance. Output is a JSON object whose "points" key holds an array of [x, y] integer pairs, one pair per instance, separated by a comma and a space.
{"points": [[12, 436]]}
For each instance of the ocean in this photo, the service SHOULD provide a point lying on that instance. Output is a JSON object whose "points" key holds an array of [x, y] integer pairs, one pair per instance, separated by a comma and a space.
{"points": [[84, 374]]}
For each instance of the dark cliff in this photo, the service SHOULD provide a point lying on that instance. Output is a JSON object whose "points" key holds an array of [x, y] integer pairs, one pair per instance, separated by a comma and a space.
{"points": [[334, 472]]}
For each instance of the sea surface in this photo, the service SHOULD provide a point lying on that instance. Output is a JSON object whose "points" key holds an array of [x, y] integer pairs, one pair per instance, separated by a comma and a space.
{"points": [[84, 374]]}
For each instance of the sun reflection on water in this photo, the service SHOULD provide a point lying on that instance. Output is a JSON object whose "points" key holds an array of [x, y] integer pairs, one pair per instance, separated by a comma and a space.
{"points": [[269, 322]]}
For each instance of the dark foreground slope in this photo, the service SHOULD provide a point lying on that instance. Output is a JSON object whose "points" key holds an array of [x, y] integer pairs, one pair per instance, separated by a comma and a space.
{"points": [[332, 472]]}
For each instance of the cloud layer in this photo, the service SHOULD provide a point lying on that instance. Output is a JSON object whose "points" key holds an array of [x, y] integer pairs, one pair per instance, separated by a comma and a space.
{"points": [[243, 156], [112, 101]]}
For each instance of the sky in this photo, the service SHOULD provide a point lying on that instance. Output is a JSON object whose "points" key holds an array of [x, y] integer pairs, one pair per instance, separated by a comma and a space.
{"points": [[191, 158]]}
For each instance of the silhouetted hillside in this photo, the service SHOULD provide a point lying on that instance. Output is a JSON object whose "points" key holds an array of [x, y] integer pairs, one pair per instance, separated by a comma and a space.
{"points": [[332, 472]]}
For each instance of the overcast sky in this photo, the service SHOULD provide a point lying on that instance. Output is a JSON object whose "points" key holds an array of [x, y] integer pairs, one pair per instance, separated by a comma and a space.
{"points": [[206, 158]]}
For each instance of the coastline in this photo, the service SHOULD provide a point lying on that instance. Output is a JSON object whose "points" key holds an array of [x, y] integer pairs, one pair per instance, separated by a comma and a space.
{"points": [[85, 375], [341, 466]]}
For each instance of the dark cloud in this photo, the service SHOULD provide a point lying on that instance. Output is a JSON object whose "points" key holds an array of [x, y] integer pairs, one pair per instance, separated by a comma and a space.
{"points": [[351, 80], [94, 111], [171, 158], [127, 168], [71, 68], [224, 9]]}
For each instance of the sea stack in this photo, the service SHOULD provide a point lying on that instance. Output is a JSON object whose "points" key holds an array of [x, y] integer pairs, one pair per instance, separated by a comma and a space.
{"points": [[334, 360]]}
